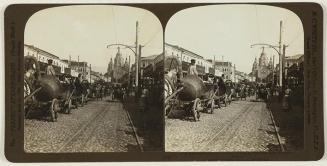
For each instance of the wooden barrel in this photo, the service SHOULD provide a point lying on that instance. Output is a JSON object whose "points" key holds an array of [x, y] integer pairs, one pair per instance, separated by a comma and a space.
{"points": [[50, 88], [193, 88]]}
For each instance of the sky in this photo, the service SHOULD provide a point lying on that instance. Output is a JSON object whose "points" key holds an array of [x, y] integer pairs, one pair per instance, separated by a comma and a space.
{"points": [[228, 31], [86, 30]]}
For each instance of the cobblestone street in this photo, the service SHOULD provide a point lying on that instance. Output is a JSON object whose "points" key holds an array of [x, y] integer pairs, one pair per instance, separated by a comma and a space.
{"points": [[99, 126], [242, 126]]}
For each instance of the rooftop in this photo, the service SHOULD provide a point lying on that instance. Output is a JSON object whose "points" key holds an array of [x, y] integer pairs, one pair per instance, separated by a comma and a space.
{"points": [[223, 63], [294, 57], [41, 51], [184, 50], [152, 57]]}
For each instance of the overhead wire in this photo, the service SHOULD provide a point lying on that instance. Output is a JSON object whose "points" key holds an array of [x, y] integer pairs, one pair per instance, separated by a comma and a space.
{"points": [[114, 22], [258, 26]]}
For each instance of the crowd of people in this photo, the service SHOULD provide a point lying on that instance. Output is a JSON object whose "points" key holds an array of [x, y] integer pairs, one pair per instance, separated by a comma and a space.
{"points": [[244, 89]]}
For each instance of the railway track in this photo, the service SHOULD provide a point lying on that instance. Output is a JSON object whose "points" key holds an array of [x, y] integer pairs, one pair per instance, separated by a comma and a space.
{"points": [[81, 129], [134, 131], [282, 148], [91, 126], [223, 129], [232, 127]]}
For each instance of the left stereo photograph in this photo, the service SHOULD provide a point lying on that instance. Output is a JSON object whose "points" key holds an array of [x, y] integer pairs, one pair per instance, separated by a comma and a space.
{"points": [[92, 80]]}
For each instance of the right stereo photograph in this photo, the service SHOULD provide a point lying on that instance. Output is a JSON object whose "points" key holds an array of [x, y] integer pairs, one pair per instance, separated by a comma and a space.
{"points": [[234, 80]]}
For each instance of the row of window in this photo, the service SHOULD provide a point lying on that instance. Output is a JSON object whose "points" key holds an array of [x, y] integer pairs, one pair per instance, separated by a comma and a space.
{"points": [[45, 60], [185, 58]]}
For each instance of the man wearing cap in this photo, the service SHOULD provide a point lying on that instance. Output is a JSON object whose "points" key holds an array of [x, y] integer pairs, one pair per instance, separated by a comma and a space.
{"points": [[192, 69], [50, 70]]}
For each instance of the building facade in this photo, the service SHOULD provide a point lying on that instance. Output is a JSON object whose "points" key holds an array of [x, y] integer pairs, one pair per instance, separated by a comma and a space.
{"points": [[43, 56], [185, 56]]}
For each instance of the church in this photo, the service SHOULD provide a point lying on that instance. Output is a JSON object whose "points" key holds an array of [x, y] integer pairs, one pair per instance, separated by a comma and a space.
{"points": [[117, 69], [261, 69]]}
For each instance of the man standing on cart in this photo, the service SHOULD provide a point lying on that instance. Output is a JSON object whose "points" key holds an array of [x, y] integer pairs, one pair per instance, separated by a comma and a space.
{"points": [[192, 69], [50, 70]]}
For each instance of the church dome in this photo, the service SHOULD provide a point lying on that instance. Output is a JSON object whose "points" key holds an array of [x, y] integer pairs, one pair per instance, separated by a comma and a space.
{"points": [[263, 60]]}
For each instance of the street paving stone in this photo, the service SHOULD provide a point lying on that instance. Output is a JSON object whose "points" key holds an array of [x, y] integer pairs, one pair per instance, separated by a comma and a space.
{"points": [[242, 126], [110, 131]]}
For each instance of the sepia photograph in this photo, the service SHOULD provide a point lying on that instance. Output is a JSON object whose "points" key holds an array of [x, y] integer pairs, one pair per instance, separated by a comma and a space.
{"points": [[163, 82], [92, 80], [234, 80]]}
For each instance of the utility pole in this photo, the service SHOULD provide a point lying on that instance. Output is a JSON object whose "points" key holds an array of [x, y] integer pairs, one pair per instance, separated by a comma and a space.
{"points": [[234, 73], [214, 65], [69, 62], [280, 54], [139, 64], [283, 58], [78, 64], [129, 72], [90, 72], [273, 71], [84, 70], [136, 59]]}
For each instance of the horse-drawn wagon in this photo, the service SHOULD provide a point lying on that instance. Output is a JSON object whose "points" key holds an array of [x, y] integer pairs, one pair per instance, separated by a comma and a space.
{"points": [[190, 94], [190, 97], [45, 93]]}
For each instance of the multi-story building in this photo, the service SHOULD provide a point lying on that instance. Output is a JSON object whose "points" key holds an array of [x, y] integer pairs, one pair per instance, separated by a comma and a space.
{"points": [[294, 71], [225, 68], [241, 76], [294, 61], [43, 56], [76, 68], [185, 56]]}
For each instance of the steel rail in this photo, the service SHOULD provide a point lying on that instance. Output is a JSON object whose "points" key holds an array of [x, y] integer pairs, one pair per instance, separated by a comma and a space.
{"points": [[134, 131], [225, 127], [276, 131], [82, 128]]}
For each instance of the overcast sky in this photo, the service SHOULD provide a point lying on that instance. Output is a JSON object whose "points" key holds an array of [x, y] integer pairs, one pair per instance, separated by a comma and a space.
{"points": [[86, 30], [229, 30]]}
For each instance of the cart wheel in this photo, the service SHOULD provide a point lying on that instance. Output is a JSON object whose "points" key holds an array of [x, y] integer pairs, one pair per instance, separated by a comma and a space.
{"points": [[212, 106], [195, 112], [54, 110], [68, 107]]}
